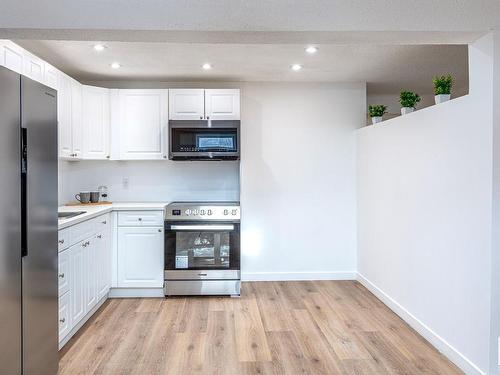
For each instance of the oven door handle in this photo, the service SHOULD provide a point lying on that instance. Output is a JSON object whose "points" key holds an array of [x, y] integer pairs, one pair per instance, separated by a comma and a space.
{"points": [[205, 227]]}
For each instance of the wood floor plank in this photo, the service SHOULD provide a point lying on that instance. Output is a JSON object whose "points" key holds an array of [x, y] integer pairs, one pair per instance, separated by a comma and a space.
{"points": [[275, 328]]}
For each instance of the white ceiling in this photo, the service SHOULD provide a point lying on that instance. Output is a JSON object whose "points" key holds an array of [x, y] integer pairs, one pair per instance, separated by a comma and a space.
{"points": [[386, 68]]}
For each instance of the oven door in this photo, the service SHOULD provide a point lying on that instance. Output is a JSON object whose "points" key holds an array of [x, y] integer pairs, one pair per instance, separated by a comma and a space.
{"points": [[195, 250]]}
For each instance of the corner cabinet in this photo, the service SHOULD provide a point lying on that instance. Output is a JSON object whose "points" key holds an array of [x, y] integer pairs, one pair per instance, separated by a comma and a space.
{"points": [[142, 124], [96, 122]]}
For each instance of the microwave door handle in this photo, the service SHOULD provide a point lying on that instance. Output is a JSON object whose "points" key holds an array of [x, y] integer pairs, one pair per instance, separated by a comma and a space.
{"points": [[202, 228]]}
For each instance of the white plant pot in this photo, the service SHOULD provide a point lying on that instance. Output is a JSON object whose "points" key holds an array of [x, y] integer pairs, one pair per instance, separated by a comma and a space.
{"points": [[442, 98], [406, 110], [376, 119]]}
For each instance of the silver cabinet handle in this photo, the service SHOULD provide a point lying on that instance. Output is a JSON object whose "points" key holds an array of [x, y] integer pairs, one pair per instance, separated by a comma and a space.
{"points": [[61, 275], [201, 117], [103, 222], [99, 236], [61, 241], [159, 230], [62, 320], [140, 219], [202, 274]]}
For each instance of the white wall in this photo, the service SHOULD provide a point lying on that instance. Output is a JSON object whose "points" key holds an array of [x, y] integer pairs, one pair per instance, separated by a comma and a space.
{"points": [[151, 180], [424, 216], [298, 179]]}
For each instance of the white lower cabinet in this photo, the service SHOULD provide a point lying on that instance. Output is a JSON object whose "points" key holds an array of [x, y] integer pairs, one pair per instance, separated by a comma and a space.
{"points": [[84, 272], [64, 316], [91, 275], [140, 257], [77, 281]]}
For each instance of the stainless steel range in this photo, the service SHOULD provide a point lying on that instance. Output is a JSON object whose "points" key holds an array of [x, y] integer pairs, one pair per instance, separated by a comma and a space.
{"points": [[202, 248]]}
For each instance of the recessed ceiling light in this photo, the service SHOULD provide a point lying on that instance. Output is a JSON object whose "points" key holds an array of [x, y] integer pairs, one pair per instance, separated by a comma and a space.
{"points": [[296, 67], [116, 65], [99, 47], [311, 49], [207, 66]]}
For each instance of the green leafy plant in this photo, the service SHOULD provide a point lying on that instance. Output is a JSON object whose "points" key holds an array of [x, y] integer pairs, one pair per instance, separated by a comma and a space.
{"points": [[377, 110], [443, 85], [408, 99]]}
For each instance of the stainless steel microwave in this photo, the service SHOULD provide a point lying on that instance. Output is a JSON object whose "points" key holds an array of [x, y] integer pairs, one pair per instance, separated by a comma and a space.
{"points": [[204, 140]]}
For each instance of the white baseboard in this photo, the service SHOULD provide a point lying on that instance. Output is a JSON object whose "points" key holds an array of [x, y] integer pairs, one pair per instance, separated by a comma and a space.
{"points": [[437, 341], [295, 276], [136, 293]]}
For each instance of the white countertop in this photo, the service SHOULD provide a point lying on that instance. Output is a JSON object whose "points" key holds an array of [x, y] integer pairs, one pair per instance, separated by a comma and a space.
{"points": [[94, 211]]}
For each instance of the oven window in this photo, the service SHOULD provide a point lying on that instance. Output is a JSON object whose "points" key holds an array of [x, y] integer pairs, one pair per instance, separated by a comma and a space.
{"points": [[202, 250]]}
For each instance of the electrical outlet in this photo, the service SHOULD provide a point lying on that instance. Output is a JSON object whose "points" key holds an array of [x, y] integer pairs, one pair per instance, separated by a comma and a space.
{"points": [[125, 182]]}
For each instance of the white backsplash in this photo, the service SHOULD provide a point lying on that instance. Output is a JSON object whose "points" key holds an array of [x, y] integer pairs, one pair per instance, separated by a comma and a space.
{"points": [[151, 180]]}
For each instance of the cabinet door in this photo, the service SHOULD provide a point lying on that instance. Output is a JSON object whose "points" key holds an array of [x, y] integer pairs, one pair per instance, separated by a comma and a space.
{"points": [[186, 104], [103, 257], [95, 107], [143, 120], [64, 316], [51, 76], [12, 56], [222, 104], [90, 274], [77, 281], [63, 271], [64, 117], [33, 67], [76, 119], [140, 257]]}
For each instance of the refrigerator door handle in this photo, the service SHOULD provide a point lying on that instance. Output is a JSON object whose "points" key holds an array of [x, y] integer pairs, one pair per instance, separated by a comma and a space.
{"points": [[24, 191]]}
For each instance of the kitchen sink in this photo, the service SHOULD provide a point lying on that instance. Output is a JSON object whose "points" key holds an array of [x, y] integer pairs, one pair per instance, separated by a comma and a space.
{"points": [[67, 215]]}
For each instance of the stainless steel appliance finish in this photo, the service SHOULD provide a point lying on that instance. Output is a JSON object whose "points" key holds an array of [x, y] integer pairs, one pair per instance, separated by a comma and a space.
{"points": [[202, 248], [207, 213], [28, 226], [10, 223], [204, 139]]}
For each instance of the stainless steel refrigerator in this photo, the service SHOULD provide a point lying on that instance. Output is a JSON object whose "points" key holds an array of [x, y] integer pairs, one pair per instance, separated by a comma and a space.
{"points": [[28, 226]]}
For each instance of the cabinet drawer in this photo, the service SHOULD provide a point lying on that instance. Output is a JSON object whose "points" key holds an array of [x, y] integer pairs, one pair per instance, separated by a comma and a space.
{"points": [[63, 272], [140, 218], [64, 316], [82, 231], [64, 240]]}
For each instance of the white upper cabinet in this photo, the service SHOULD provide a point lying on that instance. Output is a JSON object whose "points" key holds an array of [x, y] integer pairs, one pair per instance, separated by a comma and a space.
{"points": [[186, 104], [200, 104], [51, 76], [222, 104], [76, 119], [34, 67], [64, 117], [96, 122], [11, 56], [142, 124]]}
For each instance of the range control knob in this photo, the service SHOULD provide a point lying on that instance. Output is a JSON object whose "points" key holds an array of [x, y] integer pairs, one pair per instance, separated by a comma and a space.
{"points": [[188, 212], [226, 212], [234, 212], [209, 212], [202, 212]]}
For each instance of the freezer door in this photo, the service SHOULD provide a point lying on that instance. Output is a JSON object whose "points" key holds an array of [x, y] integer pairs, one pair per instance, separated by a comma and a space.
{"points": [[10, 222], [40, 285]]}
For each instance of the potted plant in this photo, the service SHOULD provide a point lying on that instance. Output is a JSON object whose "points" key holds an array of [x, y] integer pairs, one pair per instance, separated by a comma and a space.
{"points": [[376, 112], [442, 88], [408, 101]]}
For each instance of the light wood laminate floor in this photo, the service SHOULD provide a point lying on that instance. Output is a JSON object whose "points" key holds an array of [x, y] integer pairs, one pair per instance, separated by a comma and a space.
{"points": [[304, 327]]}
